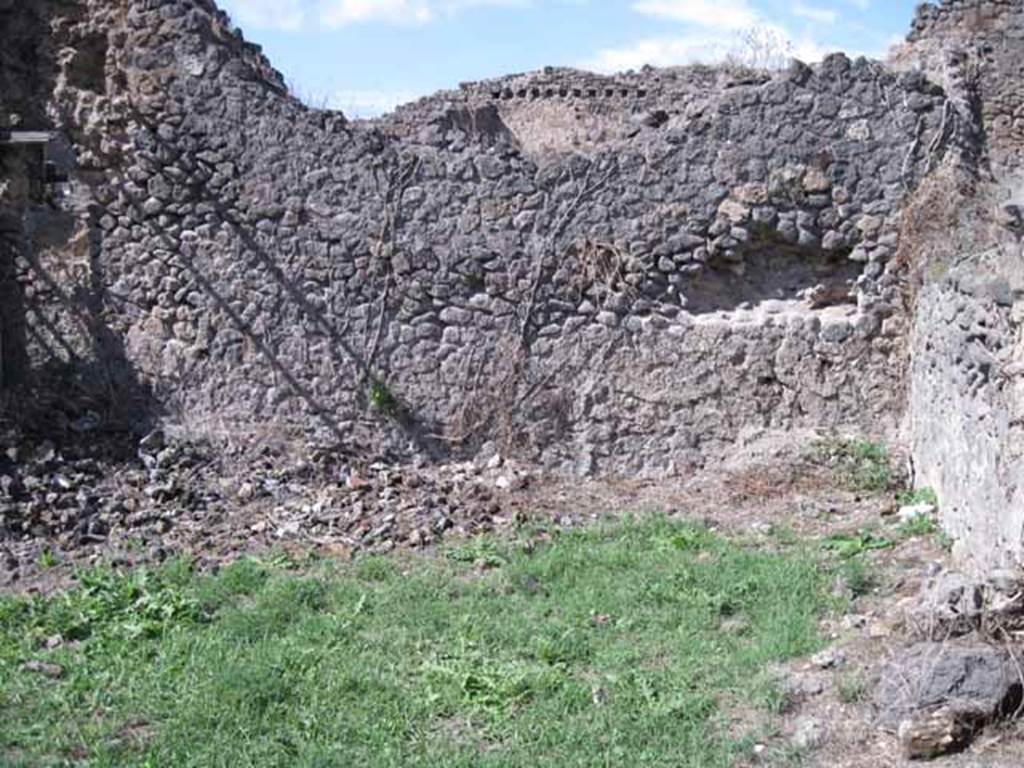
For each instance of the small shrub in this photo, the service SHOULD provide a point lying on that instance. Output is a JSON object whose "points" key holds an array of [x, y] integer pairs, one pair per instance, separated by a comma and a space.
{"points": [[480, 552], [920, 525], [852, 688], [858, 578], [860, 465], [48, 559], [912, 497], [760, 48], [382, 398]]}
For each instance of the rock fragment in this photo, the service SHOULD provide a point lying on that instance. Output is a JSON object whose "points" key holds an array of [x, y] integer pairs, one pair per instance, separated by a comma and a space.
{"points": [[929, 735], [938, 695]]}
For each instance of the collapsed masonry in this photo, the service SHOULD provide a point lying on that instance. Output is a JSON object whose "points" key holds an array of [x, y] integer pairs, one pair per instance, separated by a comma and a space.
{"points": [[627, 274]]}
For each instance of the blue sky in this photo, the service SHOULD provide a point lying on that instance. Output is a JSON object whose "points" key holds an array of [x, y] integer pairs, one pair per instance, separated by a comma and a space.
{"points": [[366, 56]]}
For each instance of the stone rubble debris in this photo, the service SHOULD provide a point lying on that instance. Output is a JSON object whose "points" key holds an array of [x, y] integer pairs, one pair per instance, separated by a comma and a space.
{"points": [[952, 605], [937, 696], [175, 496]]}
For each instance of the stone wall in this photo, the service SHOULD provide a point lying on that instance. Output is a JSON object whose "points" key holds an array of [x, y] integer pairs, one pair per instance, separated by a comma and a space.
{"points": [[966, 415], [967, 410], [430, 282], [981, 41], [624, 274]]}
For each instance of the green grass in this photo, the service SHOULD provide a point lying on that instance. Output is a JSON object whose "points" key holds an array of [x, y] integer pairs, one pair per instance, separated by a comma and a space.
{"points": [[602, 647], [852, 687], [913, 497], [850, 545], [47, 559], [919, 525], [860, 465]]}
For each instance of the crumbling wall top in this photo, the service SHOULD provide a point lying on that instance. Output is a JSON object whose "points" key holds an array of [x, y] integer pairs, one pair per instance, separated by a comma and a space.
{"points": [[968, 18]]}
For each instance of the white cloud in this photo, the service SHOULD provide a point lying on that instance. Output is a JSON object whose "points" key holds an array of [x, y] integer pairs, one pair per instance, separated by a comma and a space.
{"points": [[339, 13], [862, 5], [815, 13], [292, 15], [267, 14], [810, 51], [764, 43], [660, 52], [715, 30], [369, 103], [723, 14]]}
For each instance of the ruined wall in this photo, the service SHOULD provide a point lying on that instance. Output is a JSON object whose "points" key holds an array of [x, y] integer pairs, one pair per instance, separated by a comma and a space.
{"points": [[16, 190], [976, 44], [23, 96], [626, 273], [231, 259], [63, 66], [559, 110], [966, 415], [967, 402]]}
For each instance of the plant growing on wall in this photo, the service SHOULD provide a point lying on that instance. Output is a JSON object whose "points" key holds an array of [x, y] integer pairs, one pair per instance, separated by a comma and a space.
{"points": [[383, 399]]}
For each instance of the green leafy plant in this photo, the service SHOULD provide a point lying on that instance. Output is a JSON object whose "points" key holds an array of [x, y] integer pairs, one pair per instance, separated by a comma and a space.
{"points": [[911, 497], [480, 551], [919, 525], [142, 603], [382, 398], [784, 535], [859, 579], [692, 539], [47, 559], [849, 545], [282, 560]]}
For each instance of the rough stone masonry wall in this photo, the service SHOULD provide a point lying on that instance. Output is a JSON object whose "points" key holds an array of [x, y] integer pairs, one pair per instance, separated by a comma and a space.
{"points": [[231, 259], [976, 44], [966, 411], [23, 92], [603, 274]]}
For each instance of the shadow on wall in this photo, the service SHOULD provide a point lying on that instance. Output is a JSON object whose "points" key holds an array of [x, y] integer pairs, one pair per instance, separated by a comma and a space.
{"points": [[61, 366], [63, 369], [27, 66], [766, 268], [369, 377], [773, 272], [72, 369], [12, 304], [27, 77]]}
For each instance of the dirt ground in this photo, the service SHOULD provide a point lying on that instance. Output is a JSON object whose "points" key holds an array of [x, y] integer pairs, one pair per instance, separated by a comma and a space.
{"points": [[172, 499]]}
